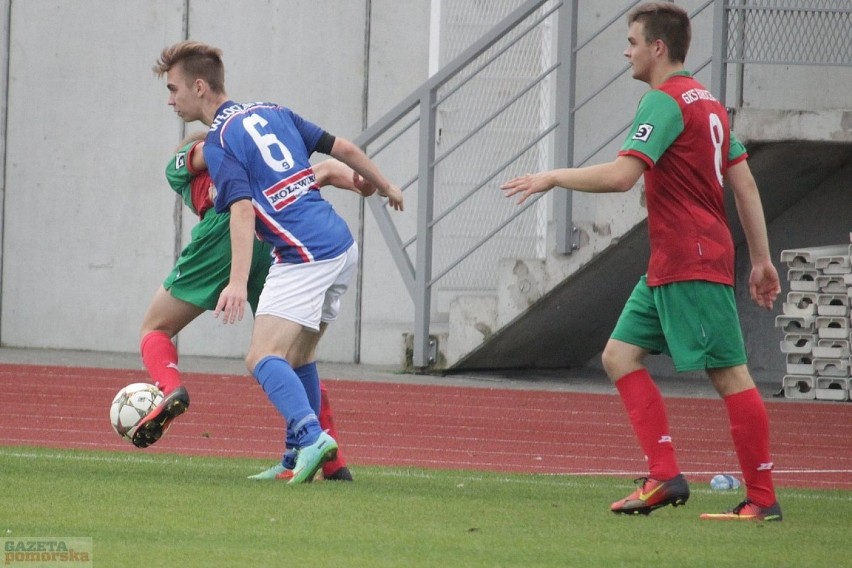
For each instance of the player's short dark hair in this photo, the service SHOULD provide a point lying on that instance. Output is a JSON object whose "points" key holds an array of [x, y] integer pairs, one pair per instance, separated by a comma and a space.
{"points": [[198, 60], [666, 22]]}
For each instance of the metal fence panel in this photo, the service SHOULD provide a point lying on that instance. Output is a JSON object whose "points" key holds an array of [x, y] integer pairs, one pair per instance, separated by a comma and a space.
{"points": [[791, 32]]}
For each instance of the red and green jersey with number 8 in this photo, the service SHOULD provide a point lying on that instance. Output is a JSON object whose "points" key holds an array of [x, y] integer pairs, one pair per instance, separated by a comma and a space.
{"points": [[682, 134]]}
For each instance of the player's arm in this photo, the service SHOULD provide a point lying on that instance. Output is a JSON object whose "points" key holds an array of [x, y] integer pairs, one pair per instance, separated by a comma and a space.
{"points": [[198, 164], [612, 177], [233, 297], [196, 158], [764, 284], [336, 173], [355, 158]]}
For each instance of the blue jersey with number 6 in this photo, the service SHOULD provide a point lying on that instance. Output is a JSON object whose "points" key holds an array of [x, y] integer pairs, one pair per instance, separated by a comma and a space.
{"points": [[260, 151]]}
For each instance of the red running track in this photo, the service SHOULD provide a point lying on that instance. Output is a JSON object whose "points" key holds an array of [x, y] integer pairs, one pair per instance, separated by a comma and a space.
{"points": [[448, 427]]}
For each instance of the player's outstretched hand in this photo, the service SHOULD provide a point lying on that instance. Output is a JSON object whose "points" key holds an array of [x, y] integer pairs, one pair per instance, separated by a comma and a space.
{"points": [[394, 195], [527, 185], [764, 284], [231, 304]]}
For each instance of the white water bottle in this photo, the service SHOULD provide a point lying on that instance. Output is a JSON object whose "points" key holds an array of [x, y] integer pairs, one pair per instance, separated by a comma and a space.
{"points": [[724, 482]]}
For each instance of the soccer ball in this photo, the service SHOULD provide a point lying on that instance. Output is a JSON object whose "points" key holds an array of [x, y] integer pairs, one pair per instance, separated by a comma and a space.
{"points": [[132, 404]]}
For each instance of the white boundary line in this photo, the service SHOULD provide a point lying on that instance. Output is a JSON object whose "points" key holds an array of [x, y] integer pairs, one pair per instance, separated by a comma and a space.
{"points": [[160, 458]]}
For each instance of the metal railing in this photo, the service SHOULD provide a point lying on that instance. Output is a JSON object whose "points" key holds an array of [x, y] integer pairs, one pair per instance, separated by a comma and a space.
{"points": [[779, 32], [536, 129], [416, 117]]}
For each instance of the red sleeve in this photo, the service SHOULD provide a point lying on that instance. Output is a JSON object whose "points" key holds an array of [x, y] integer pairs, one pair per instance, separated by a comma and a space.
{"points": [[200, 188], [636, 154], [189, 155]]}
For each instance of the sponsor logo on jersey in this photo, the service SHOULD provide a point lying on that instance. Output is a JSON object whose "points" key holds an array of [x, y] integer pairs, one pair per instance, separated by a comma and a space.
{"points": [[289, 190], [643, 132], [180, 160]]}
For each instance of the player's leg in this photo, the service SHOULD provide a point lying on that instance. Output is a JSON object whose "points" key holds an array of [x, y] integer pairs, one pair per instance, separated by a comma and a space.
{"points": [[722, 353], [637, 333], [303, 354], [646, 410], [301, 350], [192, 287], [645, 407], [271, 339], [257, 278], [749, 425], [335, 469], [284, 468], [293, 299], [165, 317]]}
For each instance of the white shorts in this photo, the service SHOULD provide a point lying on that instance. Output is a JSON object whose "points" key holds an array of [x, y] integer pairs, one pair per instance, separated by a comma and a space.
{"points": [[308, 293]]}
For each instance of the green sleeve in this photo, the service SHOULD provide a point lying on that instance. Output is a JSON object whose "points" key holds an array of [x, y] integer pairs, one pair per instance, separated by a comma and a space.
{"points": [[179, 176], [658, 122], [737, 148]]}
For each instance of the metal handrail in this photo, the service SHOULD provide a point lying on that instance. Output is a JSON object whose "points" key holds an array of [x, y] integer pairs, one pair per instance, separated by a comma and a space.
{"points": [[475, 130], [420, 108], [448, 72], [417, 278]]}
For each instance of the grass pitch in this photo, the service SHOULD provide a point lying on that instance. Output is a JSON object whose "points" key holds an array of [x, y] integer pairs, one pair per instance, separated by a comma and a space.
{"points": [[163, 510]]}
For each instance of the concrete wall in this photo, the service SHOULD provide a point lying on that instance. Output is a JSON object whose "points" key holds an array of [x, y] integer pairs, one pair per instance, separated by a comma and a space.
{"points": [[399, 63], [87, 217], [89, 223]]}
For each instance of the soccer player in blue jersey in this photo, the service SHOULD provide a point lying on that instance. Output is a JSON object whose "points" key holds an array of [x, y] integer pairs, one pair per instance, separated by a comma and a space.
{"points": [[682, 144], [193, 287], [257, 155]]}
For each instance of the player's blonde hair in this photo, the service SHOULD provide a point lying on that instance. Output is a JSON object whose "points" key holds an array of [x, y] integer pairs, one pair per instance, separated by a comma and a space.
{"points": [[198, 61], [666, 22], [197, 136]]}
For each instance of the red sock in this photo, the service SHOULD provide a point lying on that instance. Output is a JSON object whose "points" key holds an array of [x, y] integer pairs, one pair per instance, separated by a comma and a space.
{"points": [[160, 357], [326, 420], [647, 413], [750, 431]]}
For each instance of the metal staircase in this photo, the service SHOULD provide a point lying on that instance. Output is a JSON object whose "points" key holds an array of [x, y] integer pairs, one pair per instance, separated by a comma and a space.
{"points": [[542, 89]]}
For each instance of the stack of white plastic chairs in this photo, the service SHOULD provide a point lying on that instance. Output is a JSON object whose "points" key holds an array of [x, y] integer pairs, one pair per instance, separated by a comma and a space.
{"points": [[816, 322]]}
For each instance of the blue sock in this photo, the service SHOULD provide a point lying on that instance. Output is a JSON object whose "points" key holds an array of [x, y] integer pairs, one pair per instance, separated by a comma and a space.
{"points": [[309, 376], [285, 391], [290, 448], [289, 458]]}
